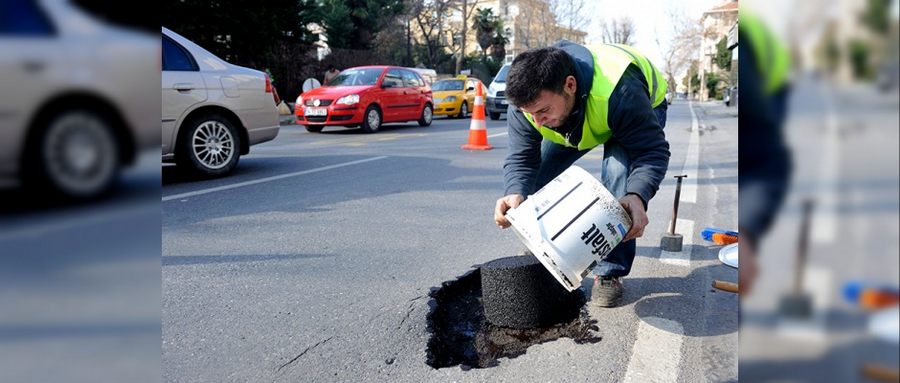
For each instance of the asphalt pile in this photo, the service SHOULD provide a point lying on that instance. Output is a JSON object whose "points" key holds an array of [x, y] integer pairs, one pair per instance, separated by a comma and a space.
{"points": [[461, 334], [518, 292]]}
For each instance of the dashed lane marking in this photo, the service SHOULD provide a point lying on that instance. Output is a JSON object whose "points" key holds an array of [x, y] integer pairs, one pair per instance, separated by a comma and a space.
{"points": [[692, 161], [656, 355], [685, 227]]}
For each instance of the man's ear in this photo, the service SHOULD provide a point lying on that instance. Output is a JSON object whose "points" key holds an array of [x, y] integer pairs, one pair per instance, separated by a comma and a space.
{"points": [[571, 85]]}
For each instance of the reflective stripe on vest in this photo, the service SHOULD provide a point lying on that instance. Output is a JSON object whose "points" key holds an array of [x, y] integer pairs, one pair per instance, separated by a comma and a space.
{"points": [[610, 62], [772, 58]]}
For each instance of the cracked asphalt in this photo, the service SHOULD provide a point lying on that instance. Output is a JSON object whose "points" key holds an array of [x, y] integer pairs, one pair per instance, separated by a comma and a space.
{"points": [[323, 274]]}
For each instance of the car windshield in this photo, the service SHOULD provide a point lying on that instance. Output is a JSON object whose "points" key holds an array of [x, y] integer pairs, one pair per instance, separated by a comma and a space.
{"points": [[448, 85], [501, 75], [354, 77]]}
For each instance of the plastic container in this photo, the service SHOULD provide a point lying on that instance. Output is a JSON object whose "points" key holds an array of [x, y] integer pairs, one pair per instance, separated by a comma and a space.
{"points": [[570, 225]]}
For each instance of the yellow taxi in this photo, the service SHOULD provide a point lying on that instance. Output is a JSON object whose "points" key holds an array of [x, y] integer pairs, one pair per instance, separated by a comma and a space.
{"points": [[454, 97]]}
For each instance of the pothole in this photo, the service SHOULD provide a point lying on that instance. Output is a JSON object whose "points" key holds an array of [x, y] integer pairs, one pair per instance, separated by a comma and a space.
{"points": [[460, 334]]}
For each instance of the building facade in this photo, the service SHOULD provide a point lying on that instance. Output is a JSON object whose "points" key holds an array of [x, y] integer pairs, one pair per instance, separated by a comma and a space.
{"points": [[716, 23]]}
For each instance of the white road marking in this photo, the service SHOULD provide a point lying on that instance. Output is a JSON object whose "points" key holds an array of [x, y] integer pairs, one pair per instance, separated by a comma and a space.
{"points": [[692, 161], [817, 284], [656, 354], [824, 220], [74, 219], [498, 134], [685, 227], [267, 179]]}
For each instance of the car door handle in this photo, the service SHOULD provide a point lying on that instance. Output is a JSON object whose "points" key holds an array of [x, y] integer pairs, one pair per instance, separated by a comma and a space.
{"points": [[183, 87]]}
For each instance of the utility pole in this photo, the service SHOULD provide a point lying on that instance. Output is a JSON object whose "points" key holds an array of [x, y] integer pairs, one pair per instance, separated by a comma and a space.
{"points": [[465, 22]]}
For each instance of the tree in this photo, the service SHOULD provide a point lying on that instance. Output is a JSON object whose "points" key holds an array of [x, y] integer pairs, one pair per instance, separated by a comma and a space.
{"points": [[876, 16], [723, 55], [712, 82], [569, 14], [365, 18], [430, 17], [498, 43], [618, 31], [680, 51], [537, 29], [691, 79], [271, 35], [484, 25], [212, 24], [337, 23], [465, 8]]}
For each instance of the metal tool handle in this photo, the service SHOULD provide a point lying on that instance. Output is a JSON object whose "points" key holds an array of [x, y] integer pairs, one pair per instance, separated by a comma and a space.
{"points": [[725, 286], [675, 204], [802, 246]]}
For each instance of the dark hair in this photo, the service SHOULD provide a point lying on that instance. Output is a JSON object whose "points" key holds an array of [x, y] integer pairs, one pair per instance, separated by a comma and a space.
{"points": [[330, 66], [535, 70]]}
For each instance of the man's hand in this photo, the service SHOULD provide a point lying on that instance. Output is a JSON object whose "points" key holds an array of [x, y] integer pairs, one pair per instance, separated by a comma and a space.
{"points": [[635, 208], [504, 204]]}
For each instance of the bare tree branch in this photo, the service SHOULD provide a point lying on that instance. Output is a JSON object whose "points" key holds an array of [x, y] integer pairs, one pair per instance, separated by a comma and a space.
{"points": [[619, 30]]}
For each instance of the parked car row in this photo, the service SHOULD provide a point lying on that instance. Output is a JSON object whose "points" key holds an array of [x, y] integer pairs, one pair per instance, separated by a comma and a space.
{"points": [[213, 111]]}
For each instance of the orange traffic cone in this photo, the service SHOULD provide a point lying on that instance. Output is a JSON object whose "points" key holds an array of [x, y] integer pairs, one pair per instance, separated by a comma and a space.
{"points": [[478, 129]]}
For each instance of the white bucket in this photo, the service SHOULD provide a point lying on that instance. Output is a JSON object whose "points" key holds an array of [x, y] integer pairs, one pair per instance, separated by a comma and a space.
{"points": [[570, 225]]}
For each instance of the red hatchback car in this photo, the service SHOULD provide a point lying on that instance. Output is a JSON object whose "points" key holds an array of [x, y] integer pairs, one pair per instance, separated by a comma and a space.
{"points": [[368, 97]]}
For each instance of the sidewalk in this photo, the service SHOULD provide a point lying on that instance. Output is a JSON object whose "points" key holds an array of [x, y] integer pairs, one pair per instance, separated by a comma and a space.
{"points": [[716, 109]]}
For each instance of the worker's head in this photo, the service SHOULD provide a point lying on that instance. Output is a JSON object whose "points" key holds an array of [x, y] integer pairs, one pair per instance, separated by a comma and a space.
{"points": [[541, 82], [331, 67]]}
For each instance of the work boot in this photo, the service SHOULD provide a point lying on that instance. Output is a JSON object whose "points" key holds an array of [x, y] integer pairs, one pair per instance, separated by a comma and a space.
{"points": [[607, 291]]}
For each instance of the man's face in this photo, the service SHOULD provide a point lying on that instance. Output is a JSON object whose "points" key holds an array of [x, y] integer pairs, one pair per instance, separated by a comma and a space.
{"points": [[551, 109]]}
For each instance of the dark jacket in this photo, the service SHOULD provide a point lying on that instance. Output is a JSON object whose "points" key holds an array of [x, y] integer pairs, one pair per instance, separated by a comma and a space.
{"points": [[764, 162], [631, 119]]}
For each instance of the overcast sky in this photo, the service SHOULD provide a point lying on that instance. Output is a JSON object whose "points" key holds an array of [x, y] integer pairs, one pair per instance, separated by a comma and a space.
{"points": [[650, 19]]}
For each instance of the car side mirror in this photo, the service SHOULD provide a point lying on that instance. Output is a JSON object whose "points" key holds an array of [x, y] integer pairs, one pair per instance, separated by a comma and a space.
{"points": [[470, 88]]}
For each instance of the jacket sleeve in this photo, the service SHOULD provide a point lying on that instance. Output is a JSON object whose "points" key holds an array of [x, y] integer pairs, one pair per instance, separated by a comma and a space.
{"points": [[634, 126], [523, 158]]}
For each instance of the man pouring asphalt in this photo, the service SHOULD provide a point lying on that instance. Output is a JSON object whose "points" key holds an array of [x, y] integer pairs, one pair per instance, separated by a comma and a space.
{"points": [[568, 99]]}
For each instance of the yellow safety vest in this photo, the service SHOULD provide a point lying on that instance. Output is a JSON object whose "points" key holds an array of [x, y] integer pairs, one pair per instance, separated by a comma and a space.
{"points": [[607, 72], [773, 60]]}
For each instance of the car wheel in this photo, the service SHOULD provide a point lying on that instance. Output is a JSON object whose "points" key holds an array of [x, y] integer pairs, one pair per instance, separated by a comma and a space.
{"points": [[313, 128], [494, 115], [208, 146], [372, 119], [463, 110], [75, 156], [427, 115]]}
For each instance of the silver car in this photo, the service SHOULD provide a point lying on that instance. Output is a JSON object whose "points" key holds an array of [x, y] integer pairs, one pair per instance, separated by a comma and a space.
{"points": [[73, 102], [212, 111]]}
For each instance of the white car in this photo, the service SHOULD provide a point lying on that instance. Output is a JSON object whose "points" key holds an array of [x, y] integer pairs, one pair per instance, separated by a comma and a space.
{"points": [[496, 94], [74, 106], [212, 111]]}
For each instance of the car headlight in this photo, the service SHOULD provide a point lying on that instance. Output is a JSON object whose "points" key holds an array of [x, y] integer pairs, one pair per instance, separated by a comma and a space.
{"points": [[438, 100], [299, 101], [450, 99], [352, 99]]}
